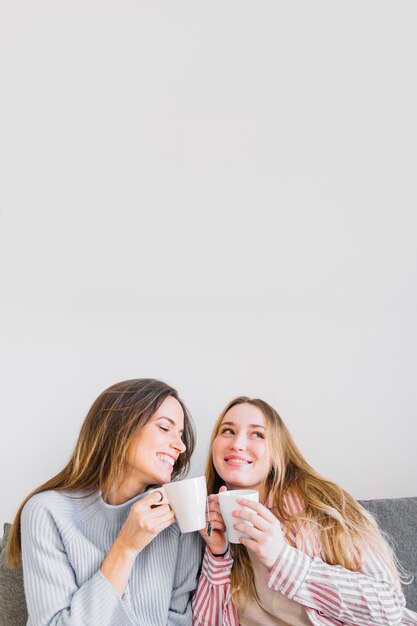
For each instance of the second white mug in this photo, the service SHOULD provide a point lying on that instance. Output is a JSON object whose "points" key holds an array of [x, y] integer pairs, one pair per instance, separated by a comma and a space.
{"points": [[228, 503]]}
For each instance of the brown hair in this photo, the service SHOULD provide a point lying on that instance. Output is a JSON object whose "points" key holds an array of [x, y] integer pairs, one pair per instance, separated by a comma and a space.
{"points": [[106, 433], [346, 529]]}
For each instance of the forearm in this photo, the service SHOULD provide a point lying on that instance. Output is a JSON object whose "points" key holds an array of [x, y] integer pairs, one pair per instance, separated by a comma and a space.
{"points": [[95, 602], [117, 567], [354, 598]]}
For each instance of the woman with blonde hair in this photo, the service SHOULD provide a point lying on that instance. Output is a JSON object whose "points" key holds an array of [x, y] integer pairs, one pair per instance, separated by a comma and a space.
{"points": [[96, 547], [313, 555]]}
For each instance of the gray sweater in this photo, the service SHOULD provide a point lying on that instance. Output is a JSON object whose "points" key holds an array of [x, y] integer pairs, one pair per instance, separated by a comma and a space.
{"points": [[65, 538]]}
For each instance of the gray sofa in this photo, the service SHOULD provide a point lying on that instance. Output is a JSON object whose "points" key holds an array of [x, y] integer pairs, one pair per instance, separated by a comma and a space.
{"points": [[397, 517]]}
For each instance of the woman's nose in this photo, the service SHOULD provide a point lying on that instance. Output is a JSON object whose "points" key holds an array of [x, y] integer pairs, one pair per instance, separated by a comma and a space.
{"points": [[238, 442], [179, 445]]}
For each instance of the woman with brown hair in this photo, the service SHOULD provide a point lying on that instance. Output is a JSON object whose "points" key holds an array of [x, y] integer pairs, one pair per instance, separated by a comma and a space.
{"points": [[313, 555], [98, 549]]}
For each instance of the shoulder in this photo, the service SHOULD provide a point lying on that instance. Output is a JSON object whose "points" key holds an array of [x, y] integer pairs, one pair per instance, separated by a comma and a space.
{"points": [[52, 505], [293, 503], [39, 504]]}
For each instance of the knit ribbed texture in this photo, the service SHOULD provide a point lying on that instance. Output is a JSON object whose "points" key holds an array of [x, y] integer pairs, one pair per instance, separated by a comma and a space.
{"points": [[65, 538]]}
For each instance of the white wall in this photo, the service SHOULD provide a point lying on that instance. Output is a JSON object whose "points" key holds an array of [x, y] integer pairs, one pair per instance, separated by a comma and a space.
{"points": [[221, 195]]}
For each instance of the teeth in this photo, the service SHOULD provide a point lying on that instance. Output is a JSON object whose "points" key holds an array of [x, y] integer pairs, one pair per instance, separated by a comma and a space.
{"points": [[166, 459], [237, 461]]}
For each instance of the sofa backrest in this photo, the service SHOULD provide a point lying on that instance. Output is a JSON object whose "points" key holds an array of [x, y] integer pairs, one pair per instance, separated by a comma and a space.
{"points": [[398, 519], [12, 598]]}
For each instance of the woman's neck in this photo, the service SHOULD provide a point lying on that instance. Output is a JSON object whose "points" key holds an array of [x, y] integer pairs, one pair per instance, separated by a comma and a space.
{"points": [[124, 492]]}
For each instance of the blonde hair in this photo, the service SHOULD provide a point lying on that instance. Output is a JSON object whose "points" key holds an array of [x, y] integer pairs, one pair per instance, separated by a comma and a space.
{"points": [[98, 460], [346, 529]]}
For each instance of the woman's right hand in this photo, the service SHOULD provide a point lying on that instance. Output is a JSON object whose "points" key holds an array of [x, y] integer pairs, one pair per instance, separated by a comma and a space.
{"points": [[145, 521], [217, 541]]}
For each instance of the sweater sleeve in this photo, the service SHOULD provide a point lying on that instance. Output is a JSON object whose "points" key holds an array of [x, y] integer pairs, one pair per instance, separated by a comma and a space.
{"points": [[353, 598], [53, 596], [212, 603], [185, 581]]}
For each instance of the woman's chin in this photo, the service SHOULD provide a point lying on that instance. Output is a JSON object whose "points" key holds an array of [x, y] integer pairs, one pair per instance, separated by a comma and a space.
{"points": [[163, 476], [165, 479]]}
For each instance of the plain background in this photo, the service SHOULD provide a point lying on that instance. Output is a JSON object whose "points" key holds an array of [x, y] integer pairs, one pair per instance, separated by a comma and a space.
{"points": [[221, 195]]}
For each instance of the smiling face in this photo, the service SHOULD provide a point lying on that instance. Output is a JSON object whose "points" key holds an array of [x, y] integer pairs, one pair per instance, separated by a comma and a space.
{"points": [[156, 447], [240, 451]]}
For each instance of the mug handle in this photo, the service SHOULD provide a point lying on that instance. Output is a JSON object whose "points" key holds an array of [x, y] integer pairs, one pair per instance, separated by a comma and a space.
{"points": [[164, 497]]}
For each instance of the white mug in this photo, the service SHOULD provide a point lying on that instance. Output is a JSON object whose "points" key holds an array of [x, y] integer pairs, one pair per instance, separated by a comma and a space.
{"points": [[188, 499], [228, 503]]}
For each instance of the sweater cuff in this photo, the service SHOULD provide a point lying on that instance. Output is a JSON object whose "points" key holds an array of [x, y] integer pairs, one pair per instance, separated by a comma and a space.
{"points": [[217, 569], [289, 571]]}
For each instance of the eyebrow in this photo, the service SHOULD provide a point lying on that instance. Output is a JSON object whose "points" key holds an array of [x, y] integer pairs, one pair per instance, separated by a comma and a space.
{"points": [[250, 425], [162, 417]]}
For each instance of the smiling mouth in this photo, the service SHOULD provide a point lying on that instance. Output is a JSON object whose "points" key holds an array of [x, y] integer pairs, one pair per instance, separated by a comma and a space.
{"points": [[237, 461], [166, 459]]}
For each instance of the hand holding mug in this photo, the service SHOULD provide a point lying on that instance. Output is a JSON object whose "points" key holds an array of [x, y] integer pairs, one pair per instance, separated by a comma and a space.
{"points": [[265, 537], [217, 540], [145, 521]]}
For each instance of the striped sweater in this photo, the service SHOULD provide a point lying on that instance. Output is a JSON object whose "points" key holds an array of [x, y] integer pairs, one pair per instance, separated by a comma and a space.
{"points": [[65, 538], [330, 594]]}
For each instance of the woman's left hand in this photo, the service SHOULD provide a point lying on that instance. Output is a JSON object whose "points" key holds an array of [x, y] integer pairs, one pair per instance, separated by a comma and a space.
{"points": [[266, 539]]}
